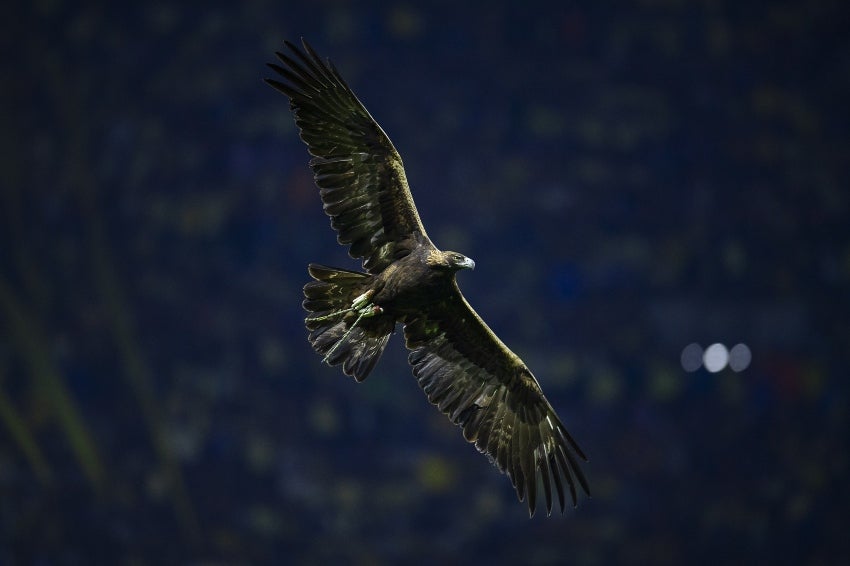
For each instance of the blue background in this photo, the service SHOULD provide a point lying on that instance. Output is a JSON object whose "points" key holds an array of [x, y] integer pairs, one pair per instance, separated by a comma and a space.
{"points": [[629, 177]]}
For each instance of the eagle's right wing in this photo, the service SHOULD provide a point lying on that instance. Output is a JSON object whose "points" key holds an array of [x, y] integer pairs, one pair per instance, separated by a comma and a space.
{"points": [[359, 173], [473, 378]]}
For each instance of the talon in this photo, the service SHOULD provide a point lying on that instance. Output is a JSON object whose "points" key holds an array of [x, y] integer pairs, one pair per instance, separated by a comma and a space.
{"points": [[361, 300], [370, 310]]}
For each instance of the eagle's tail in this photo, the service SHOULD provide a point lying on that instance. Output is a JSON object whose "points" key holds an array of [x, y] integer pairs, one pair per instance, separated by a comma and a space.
{"points": [[344, 326]]}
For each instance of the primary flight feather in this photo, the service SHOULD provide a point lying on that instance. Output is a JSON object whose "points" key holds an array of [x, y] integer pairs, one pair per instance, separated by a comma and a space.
{"points": [[463, 367]]}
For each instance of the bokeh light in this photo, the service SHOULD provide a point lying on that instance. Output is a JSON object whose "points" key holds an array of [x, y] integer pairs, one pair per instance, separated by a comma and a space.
{"points": [[740, 357], [691, 357], [715, 357]]}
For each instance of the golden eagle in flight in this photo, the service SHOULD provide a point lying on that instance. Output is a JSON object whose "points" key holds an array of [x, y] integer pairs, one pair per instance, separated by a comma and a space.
{"points": [[463, 367]]}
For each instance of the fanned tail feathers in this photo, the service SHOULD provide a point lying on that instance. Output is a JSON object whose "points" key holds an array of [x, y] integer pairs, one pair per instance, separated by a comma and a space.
{"points": [[337, 331]]}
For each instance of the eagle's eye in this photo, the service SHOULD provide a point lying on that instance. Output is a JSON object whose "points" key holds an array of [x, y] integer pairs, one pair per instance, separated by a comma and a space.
{"points": [[460, 261]]}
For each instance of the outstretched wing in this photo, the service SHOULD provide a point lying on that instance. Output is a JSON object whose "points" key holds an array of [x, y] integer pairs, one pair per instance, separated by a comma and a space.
{"points": [[359, 173], [472, 377]]}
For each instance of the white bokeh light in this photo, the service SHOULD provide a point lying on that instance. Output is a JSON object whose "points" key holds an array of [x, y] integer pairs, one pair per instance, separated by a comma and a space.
{"points": [[715, 357], [691, 357], [740, 357]]}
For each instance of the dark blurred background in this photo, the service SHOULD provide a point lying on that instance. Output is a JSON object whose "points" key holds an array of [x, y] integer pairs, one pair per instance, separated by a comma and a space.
{"points": [[631, 178]]}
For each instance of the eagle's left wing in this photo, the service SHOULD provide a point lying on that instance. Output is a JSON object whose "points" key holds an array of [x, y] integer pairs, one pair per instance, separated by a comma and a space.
{"points": [[472, 377]]}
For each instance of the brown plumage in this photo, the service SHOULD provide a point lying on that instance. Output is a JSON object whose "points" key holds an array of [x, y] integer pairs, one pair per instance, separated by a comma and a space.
{"points": [[463, 367]]}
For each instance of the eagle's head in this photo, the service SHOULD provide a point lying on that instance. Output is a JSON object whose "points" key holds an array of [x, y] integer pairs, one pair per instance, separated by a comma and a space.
{"points": [[449, 261]]}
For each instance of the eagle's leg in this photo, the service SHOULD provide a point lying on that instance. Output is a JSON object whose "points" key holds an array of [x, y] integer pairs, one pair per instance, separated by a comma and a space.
{"points": [[364, 311], [357, 304]]}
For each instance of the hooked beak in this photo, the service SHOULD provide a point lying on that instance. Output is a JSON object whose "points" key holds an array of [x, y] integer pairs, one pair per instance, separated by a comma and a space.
{"points": [[467, 263]]}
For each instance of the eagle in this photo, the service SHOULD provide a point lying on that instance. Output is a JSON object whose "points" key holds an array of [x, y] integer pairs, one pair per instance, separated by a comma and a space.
{"points": [[461, 365]]}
